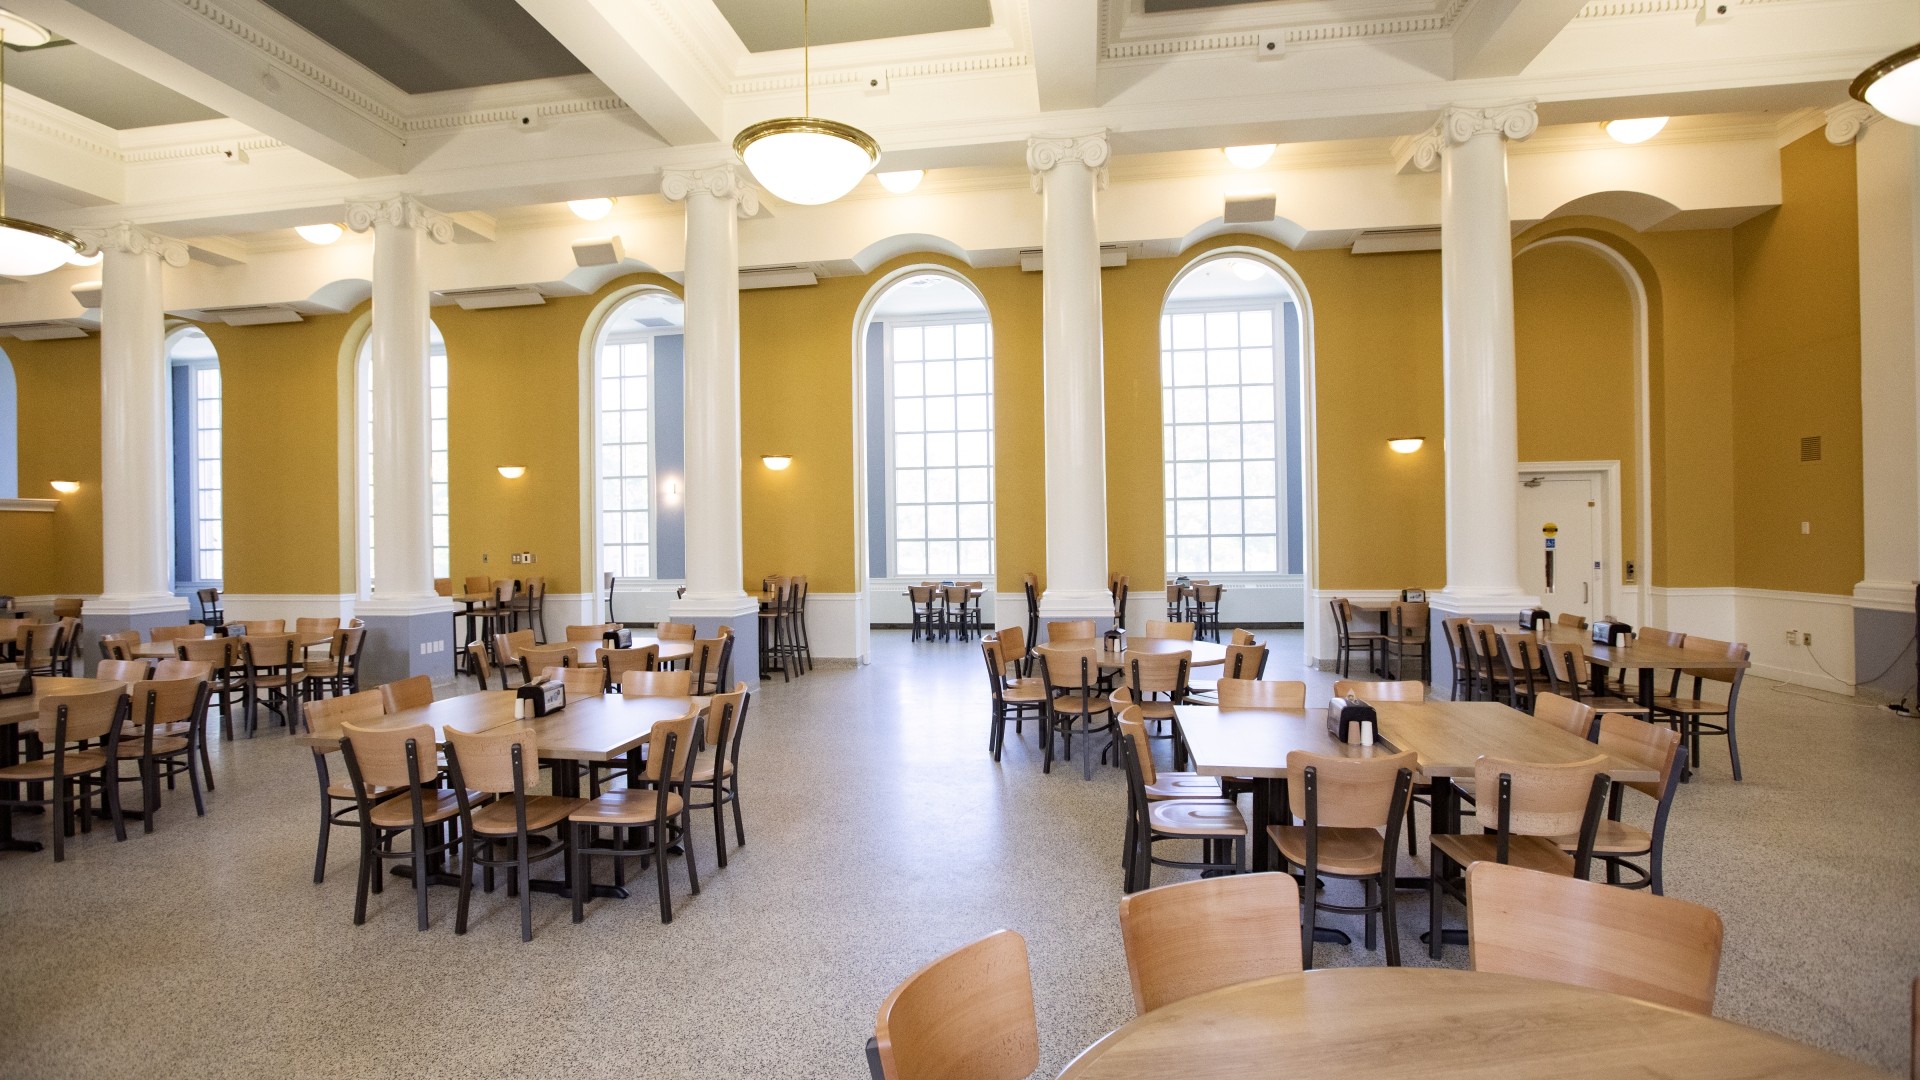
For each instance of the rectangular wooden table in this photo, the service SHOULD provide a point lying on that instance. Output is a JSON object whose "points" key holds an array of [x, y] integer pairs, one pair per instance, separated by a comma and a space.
{"points": [[1644, 657], [166, 650]]}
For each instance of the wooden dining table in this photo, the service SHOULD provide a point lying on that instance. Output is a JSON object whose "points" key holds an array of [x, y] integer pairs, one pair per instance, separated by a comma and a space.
{"points": [[167, 649], [674, 652], [1643, 657], [1202, 653], [1438, 1024]]}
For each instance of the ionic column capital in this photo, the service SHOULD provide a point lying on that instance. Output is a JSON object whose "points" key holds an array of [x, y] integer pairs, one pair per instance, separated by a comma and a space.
{"points": [[1848, 120], [400, 212], [723, 181], [1459, 124], [133, 240], [1044, 152]]}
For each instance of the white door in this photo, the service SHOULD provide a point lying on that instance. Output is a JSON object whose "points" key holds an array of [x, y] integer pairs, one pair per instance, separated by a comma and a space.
{"points": [[1560, 541]]}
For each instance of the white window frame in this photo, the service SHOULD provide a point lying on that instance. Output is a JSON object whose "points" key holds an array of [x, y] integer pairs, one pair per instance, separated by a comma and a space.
{"points": [[195, 531], [442, 554], [951, 318], [1281, 422], [601, 344]]}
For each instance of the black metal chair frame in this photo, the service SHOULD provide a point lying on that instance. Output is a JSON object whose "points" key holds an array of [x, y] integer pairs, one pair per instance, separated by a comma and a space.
{"points": [[663, 828], [376, 841], [521, 854], [1054, 718], [1691, 726], [168, 764], [724, 788], [1138, 859], [1343, 634], [1378, 895]]}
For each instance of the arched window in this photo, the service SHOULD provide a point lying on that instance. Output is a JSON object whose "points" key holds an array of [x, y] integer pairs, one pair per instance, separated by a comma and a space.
{"points": [[198, 543], [1229, 376], [639, 436], [929, 353], [437, 417]]}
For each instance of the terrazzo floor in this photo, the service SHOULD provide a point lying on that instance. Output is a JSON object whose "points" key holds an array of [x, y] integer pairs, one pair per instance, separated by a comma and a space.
{"points": [[880, 834]]}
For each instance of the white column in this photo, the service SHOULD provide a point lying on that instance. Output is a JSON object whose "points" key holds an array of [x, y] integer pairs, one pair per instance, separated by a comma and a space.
{"points": [[1476, 285], [1067, 171], [402, 433], [135, 458]]}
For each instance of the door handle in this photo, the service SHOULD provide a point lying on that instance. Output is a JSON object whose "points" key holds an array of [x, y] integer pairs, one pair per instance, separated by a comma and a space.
{"points": [[1586, 590]]}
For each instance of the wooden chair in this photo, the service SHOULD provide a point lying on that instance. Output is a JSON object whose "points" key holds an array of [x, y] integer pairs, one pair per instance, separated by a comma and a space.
{"points": [[1351, 810], [962, 613], [1521, 808], [1241, 636], [1650, 746], [653, 807], [1262, 694], [119, 646], [1490, 661], [227, 681], [718, 773], [1070, 671], [1402, 690], [271, 663], [480, 663], [1545, 926], [41, 647], [167, 725], [1460, 656], [928, 617], [1155, 683], [675, 684], [1573, 717], [775, 650], [337, 672], [1351, 638], [415, 692], [259, 626], [595, 632], [1690, 713], [580, 682], [339, 803], [402, 760], [1162, 783], [1070, 630], [615, 664], [123, 670], [1015, 650], [1030, 584], [182, 669], [190, 632], [1215, 822], [711, 664], [68, 726], [1407, 636], [966, 1016], [1013, 697], [1570, 676], [1525, 667], [1161, 629], [1206, 611], [1197, 936], [1244, 661], [500, 823], [1120, 588], [528, 606], [316, 626], [672, 631], [210, 612], [535, 660]]}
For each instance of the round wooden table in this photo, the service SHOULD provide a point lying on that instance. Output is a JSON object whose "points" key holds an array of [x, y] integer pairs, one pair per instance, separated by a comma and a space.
{"points": [[1425, 1022]]}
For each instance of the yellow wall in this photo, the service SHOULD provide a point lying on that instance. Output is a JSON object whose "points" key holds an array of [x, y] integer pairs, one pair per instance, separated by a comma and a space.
{"points": [[279, 387], [1797, 300], [58, 393]]}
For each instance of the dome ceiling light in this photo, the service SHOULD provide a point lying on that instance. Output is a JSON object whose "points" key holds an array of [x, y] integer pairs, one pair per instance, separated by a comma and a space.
{"points": [[590, 209], [1249, 157], [26, 248], [1893, 85], [1635, 131], [805, 159], [321, 235]]}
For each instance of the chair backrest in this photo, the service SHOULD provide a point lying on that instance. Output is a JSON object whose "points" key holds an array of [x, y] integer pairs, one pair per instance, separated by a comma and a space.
{"points": [[996, 665], [503, 591], [1157, 673], [67, 607], [477, 585], [1547, 800], [1262, 694], [1197, 936], [580, 681], [316, 626], [261, 626], [616, 663], [1567, 664], [1652, 746], [1134, 730], [325, 715], [347, 643], [1544, 926], [443, 586], [166, 701], [591, 633], [1570, 716], [415, 692], [1568, 618], [1242, 637], [1070, 630], [1477, 642], [183, 669], [119, 646], [683, 730], [1455, 628], [485, 762], [1708, 649], [508, 647], [673, 631], [726, 722], [1071, 665], [560, 656], [1207, 594], [1407, 619], [920, 595], [175, 633], [480, 662], [1170, 631], [966, 1016], [1486, 647], [675, 684], [1244, 662], [1350, 793], [221, 652], [1671, 639], [38, 643], [1402, 690], [89, 716], [1013, 645], [380, 756], [267, 650], [955, 595], [1520, 649], [711, 659], [123, 670], [209, 601]]}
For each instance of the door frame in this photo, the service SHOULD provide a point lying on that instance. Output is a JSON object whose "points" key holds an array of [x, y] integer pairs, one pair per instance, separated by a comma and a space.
{"points": [[1608, 473]]}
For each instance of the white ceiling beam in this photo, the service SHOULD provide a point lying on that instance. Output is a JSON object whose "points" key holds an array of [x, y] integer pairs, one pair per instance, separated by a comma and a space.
{"points": [[641, 57], [1066, 52], [61, 154], [246, 76], [1501, 37]]}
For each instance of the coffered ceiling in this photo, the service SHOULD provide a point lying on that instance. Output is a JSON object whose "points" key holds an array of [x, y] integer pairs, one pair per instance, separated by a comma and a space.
{"points": [[768, 25], [422, 46]]}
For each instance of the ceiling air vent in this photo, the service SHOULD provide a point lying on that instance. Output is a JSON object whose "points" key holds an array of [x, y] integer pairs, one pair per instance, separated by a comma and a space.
{"points": [[1810, 448], [252, 314], [1111, 255], [495, 297], [1381, 241], [777, 277], [41, 331]]}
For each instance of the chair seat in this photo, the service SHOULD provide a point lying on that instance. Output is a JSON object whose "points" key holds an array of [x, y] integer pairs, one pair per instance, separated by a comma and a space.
{"points": [[1531, 852], [498, 818], [1024, 691], [162, 744], [703, 770], [625, 808], [77, 763], [398, 813], [1613, 838], [1348, 852], [1207, 818], [1369, 635], [1183, 785], [1075, 702], [340, 789], [1689, 706], [1611, 704]]}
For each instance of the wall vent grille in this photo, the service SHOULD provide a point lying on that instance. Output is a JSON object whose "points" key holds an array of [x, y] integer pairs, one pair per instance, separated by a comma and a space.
{"points": [[1810, 448]]}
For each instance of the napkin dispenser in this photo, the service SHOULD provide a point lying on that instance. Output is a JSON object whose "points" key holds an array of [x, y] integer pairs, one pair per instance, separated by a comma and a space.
{"points": [[543, 697], [618, 639], [1352, 721], [1116, 640], [1608, 632], [1534, 617]]}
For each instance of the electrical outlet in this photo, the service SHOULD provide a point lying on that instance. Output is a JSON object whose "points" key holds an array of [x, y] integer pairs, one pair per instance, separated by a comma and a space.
{"points": [[1806, 638], [1793, 637], [526, 556]]}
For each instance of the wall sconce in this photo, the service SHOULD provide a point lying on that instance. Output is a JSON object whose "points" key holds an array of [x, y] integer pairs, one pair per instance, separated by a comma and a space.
{"points": [[66, 487], [776, 462], [671, 490], [513, 472], [1404, 446], [1249, 157]]}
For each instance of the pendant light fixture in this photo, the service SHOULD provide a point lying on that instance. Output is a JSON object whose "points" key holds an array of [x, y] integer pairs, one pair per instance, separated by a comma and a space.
{"points": [[1893, 85], [805, 159], [26, 248]]}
